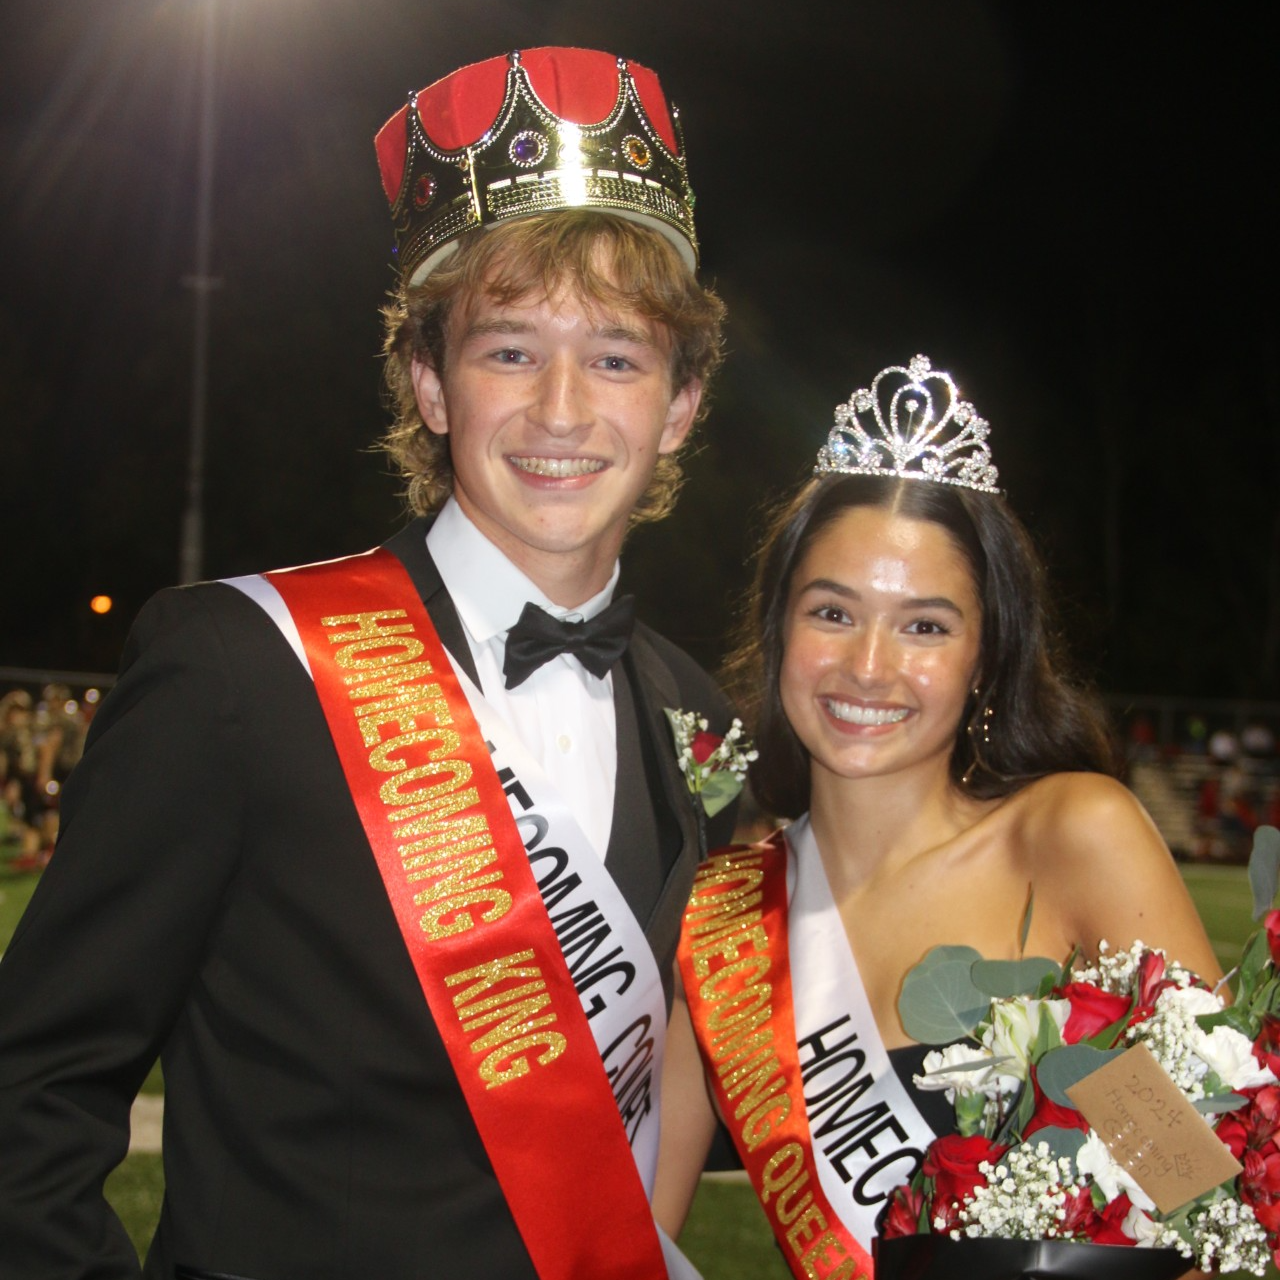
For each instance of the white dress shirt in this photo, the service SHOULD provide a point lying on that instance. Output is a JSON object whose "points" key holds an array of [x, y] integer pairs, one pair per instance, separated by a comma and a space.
{"points": [[562, 713]]}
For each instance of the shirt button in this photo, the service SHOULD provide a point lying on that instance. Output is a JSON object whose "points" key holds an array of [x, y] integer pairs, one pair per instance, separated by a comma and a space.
{"points": [[565, 743]]}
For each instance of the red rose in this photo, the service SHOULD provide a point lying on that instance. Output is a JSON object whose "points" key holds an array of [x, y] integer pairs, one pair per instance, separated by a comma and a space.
{"points": [[1271, 922], [1047, 1112], [952, 1162], [1091, 1010], [1106, 1227], [704, 745], [1266, 1048], [903, 1215]]}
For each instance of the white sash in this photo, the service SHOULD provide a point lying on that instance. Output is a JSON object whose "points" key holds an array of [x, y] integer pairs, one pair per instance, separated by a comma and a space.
{"points": [[609, 958], [867, 1135]]}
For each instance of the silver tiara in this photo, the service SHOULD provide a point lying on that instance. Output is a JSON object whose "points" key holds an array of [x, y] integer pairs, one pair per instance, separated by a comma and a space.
{"points": [[910, 423]]}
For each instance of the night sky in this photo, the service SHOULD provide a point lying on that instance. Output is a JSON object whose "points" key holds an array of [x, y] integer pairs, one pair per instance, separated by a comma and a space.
{"points": [[1072, 212]]}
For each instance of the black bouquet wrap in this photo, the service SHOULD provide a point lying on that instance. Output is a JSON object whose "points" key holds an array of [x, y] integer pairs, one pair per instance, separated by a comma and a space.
{"points": [[934, 1257]]}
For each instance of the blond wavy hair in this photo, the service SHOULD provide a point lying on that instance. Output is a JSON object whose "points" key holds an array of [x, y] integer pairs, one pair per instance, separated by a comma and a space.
{"points": [[638, 271]]}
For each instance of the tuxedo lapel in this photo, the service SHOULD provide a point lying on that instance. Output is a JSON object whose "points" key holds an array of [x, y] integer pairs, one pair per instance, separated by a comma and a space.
{"points": [[651, 797]]}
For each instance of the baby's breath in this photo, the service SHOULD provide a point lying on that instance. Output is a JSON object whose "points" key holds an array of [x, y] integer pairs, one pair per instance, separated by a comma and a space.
{"points": [[1025, 1197], [1170, 1035], [1228, 1237]]}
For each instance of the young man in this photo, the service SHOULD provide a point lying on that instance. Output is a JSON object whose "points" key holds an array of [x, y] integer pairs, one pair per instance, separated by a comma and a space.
{"points": [[386, 857]]}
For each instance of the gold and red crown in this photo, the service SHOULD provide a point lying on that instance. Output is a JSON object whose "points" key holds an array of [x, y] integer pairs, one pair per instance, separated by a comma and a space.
{"points": [[534, 131]]}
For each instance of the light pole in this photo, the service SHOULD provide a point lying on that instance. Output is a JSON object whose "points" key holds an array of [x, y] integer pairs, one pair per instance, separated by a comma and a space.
{"points": [[191, 552]]}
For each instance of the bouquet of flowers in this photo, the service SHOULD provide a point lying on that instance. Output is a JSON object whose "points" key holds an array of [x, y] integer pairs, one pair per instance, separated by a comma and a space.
{"points": [[1118, 1103]]}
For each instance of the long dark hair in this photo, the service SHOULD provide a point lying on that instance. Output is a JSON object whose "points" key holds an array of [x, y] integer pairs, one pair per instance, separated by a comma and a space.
{"points": [[1040, 721]]}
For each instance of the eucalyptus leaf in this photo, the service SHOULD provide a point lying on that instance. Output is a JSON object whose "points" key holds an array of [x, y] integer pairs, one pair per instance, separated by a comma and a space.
{"points": [[1264, 869], [1062, 1142], [1003, 978], [1222, 1102], [939, 1001], [1059, 1069]]}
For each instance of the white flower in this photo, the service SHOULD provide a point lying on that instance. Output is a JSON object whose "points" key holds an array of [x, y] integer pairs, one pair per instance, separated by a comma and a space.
{"points": [[1229, 1055], [1191, 1002], [1140, 1227], [1015, 1026], [1094, 1160], [940, 1073]]}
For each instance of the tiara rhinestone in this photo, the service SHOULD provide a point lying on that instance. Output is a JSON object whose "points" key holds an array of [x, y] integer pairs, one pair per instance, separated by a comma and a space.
{"points": [[912, 424]]}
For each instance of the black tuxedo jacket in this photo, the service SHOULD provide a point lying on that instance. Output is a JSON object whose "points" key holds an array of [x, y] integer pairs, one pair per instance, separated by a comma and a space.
{"points": [[213, 900]]}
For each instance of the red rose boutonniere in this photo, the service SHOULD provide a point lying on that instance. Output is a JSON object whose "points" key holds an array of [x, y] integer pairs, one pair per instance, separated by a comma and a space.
{"points": [[714, 767]]}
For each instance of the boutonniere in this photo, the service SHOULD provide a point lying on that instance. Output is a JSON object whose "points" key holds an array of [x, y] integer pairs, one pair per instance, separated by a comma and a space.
{"points": [[714, 767]]}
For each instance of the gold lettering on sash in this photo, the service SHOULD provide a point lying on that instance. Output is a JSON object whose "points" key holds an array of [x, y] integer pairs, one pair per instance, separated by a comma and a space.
{"points": [[442, 833], [510, 1014], [384, 756], [731, 954]]}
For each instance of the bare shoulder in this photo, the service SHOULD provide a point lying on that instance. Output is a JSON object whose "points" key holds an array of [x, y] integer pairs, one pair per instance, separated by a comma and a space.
{"points": [[1102, 869], [1083, 813], [1079, 831]]}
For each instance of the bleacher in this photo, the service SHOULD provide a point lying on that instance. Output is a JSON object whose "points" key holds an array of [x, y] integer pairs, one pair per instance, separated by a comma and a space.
{"points": [[1207, 770]]}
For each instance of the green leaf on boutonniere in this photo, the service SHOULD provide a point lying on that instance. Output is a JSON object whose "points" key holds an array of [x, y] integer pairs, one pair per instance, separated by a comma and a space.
{"points": [[719, 790], [1264, 869], [1059, 1069], [1001, 979], [939, 1001]]}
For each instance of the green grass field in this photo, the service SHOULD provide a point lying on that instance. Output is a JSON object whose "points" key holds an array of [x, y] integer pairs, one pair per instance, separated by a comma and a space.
{"points": [[726, 1236]]}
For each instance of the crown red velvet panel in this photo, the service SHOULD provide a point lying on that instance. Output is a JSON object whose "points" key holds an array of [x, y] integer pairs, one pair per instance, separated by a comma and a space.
{"points": [[578, 85]]}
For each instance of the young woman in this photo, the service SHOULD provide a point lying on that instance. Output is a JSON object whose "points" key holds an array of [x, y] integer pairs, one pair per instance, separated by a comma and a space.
{"points": [[913, 718]]}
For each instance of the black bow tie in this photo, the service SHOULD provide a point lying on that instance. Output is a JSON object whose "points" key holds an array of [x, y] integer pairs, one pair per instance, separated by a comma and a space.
{"points": [[538, 637]]}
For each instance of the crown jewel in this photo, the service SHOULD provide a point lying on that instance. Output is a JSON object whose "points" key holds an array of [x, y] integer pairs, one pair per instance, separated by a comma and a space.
{"points": [[910, 423], [533, 132]]}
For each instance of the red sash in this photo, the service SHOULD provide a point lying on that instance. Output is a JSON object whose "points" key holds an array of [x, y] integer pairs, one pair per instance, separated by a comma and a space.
{"points": [[485, 953], [737, 979]]}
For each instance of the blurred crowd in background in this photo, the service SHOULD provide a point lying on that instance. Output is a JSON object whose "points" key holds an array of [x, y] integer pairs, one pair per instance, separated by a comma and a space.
{"points": [[1209, 773], [41, 738]]}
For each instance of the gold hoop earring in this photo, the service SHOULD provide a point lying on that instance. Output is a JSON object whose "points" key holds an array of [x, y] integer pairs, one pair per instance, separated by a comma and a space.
{"points": [[979, 725]]}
